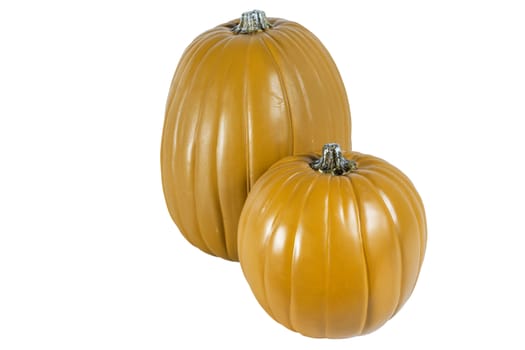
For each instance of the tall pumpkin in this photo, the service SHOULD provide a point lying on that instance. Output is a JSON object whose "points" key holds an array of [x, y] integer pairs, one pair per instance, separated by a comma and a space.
{"points": [[332, 247], [245, 94]]}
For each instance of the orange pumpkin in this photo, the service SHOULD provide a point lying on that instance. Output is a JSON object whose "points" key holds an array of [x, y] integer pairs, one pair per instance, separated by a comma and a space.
{"points": [[332, 247], [244, 95]]}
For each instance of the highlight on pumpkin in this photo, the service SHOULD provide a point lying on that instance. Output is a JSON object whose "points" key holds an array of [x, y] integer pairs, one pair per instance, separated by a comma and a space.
{"points": [[346, 257], [236, 151], [237, 104]]}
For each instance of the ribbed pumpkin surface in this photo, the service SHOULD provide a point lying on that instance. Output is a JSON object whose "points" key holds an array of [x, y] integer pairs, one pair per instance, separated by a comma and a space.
{"points": [[237, 104], [332, 256]]}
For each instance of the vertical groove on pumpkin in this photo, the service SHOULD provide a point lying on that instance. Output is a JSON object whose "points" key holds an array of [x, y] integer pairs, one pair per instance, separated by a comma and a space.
{"points": [[413, 195], [265, 269], [395, 233], [170, 132], [268, 240], [416, 203], [396, 176], [357, 207], [311, 51], [267, 203], [247, 117], [293, 264], [194, 177], [332, 75], [342, 223], [285, 59], [422, 221], [199, 41], [327, 215], [399, 187], [311, 54], [419, 214], [298, 76], [283, 86], [196, 152], [193, 234], [184, 65], [222, 226]]}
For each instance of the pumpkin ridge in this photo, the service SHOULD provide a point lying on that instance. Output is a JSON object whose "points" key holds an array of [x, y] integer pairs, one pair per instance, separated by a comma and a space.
{"points": [[172, 134], [261, 186], [195, 145], [339, 206], [357, 214], [216, 191], [312, 49], [247, 117], [327, 253], [390, 179], [305, 196], [315, 43], [220, 45], [297, 74], [282, 165], [177, 118], [285, 59], [275, 221], [189, 63], [395, 233], [188, 52], [414, 198], [184, 63], [276, 21], [193, 177], [295, 33], [281, 82]]}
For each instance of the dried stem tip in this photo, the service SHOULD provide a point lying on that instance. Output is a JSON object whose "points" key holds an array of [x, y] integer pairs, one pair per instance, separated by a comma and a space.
{"points": [[252, 22], [333, 162]]}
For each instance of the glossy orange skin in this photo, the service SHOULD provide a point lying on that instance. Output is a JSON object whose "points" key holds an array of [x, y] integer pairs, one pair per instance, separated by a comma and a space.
{"points": [[237, 104], [332, 256]]}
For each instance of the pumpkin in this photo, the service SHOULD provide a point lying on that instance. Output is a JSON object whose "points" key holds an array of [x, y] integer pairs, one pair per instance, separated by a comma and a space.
{"points": [[332, 247], [245, 94]]}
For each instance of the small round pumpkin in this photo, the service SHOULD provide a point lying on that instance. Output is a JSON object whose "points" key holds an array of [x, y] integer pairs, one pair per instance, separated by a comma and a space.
{"points": [[245, 94], [332, 247]]}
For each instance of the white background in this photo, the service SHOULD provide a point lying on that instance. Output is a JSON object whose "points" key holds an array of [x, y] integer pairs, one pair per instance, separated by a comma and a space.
{"points": [[89, 257]]}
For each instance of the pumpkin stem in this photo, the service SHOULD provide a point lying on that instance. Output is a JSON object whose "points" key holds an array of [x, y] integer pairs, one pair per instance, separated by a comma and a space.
{"points": [[333, 162], [251, 22]]}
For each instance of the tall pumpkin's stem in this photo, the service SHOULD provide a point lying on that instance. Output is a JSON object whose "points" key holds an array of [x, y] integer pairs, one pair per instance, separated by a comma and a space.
{"points": [[251, 22], [333, 162]]}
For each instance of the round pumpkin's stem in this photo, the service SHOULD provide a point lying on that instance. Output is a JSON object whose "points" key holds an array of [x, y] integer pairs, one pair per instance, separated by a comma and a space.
{"points": [[251, 22], [333, 162]]}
